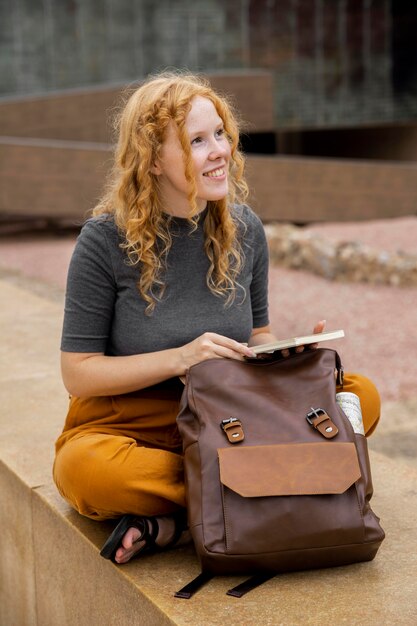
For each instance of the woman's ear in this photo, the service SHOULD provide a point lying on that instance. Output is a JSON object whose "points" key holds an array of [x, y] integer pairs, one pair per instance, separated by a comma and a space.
{"points": [[156, 168]]}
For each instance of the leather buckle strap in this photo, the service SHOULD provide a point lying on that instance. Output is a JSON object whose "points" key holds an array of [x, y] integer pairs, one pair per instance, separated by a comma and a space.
{"points": [[318, 419], [233, 429]]}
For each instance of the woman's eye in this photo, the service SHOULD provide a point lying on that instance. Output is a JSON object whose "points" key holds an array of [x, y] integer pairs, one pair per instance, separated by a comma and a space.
{"points": [[220, 132]]}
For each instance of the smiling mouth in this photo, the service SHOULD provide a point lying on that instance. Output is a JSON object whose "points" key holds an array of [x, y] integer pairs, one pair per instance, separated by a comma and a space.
{"points": [[217, 173]]}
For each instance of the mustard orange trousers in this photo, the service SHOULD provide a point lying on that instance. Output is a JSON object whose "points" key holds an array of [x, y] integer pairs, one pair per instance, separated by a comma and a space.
{"points": [[122, 454]]}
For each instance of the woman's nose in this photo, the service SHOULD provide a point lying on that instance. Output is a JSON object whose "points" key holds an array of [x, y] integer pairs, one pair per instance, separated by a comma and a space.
{"points": [[218, 149]]}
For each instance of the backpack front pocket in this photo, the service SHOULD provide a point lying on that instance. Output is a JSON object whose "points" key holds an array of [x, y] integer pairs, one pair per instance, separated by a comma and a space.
{"points": [[290, 496]]}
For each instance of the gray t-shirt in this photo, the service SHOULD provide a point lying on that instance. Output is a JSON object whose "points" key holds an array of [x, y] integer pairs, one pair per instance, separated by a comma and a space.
{"points": [[104, 311]]}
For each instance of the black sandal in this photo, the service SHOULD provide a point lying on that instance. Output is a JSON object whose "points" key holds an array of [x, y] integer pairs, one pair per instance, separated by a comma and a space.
{"points": [[149, 529]]}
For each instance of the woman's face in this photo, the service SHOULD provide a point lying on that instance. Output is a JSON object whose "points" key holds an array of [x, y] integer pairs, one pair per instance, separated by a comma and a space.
{"points": [[210, 154]]}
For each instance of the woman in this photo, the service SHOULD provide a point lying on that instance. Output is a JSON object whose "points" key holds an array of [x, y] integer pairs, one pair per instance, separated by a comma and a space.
{"points": [[171, 270]]}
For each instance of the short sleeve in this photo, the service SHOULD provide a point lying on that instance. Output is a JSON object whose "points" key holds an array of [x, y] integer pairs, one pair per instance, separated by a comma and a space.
{"points": [[91, 292], [259, 284]]}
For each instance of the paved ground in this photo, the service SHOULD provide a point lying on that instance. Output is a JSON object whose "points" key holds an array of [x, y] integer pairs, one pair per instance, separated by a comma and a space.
{"points": [[379, 321]]}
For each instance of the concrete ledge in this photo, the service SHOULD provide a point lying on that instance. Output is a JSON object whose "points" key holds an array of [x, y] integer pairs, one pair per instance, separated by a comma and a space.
{"points": [[64, 179], [17, 564], [55, 153], [83, 114], [51, 178], [300, 189], [50, 568]]}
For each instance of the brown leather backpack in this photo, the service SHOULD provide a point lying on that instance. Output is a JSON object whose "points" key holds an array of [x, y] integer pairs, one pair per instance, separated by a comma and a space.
{"points": [[276, 478]]}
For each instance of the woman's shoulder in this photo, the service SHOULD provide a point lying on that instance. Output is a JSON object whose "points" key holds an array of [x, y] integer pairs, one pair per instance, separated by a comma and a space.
{"points": [[100, 227], [245, 213], [247, 216], [100, 222]]}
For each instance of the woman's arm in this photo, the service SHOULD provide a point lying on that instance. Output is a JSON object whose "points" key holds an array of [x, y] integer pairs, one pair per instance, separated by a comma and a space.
{"points": [[94, 374]]}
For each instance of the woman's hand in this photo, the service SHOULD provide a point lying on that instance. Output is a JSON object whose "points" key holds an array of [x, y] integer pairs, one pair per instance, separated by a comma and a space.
{"points": [[211, 346], [318, 328]]}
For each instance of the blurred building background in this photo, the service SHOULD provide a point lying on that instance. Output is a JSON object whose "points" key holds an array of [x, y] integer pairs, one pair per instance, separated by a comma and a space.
{"points": [[336, 62], [316, 80]]}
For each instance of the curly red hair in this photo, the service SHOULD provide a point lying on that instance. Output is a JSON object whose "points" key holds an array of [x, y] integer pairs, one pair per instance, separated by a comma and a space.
{"points": [[132, 195]]}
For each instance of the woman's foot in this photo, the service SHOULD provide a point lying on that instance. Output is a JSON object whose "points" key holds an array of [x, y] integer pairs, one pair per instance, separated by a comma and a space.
{"points": [[134, 535], [132, 544]]}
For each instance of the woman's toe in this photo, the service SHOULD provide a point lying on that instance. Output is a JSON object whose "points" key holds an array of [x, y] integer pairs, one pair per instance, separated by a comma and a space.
{"points": [[123, 555], [130, 537], [129, 546]]}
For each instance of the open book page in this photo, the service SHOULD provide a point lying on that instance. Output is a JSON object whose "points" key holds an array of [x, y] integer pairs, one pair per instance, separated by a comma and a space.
{"points": [[293, 342]]}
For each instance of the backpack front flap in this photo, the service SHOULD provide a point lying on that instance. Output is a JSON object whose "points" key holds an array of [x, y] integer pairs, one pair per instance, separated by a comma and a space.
{"points": [[284, 497]]}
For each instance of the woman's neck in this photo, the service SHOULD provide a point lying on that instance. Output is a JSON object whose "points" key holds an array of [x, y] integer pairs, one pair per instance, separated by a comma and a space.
{"points": [[185, 212]]}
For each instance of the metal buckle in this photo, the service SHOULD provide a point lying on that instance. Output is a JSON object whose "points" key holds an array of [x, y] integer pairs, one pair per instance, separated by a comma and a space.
{"points": [[314, 413], [232, 428], [228, 421], [322, 422]]}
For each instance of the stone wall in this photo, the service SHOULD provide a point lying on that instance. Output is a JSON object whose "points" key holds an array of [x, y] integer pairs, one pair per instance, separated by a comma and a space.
{"points": [[350, 261]]}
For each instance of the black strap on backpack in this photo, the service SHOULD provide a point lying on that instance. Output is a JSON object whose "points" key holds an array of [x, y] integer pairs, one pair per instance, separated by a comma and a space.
{"points": [[190, 588], [249, 584], [237, 592]]}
